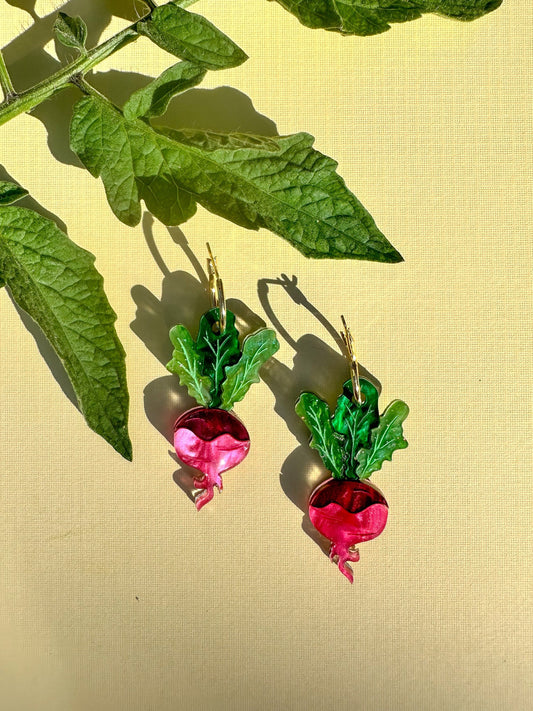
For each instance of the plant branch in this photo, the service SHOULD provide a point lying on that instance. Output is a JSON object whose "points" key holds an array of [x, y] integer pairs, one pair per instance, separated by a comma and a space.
{"points": [[5, 81], [15, 104]]}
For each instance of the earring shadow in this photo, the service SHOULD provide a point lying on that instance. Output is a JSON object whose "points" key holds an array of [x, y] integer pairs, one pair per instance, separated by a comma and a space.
{"points": [[184, 298], [302, 471]]}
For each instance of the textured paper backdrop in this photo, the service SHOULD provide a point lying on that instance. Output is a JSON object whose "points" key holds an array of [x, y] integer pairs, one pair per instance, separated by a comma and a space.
{"points": [[115, 594]]}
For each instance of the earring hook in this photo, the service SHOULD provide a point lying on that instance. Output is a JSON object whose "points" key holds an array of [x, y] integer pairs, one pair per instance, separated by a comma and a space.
{"points": [[354, 366], [216, 289]]}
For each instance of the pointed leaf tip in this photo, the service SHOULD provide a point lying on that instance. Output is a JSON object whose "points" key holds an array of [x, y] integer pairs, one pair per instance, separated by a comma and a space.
{"points": [[56, 283]]}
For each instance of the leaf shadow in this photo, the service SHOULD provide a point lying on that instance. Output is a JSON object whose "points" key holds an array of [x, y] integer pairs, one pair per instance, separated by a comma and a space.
{"points": [[184, 298], [317, 368], [46, 350], [222, 109], [29, 62]]}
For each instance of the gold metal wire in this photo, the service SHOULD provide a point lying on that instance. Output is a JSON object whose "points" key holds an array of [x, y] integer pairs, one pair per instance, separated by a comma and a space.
{"points": [[216, 289], [347, 338]]}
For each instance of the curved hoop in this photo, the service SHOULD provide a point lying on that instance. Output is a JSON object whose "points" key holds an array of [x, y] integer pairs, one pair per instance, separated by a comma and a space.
{"points": [[347, 337], [216, 289]]}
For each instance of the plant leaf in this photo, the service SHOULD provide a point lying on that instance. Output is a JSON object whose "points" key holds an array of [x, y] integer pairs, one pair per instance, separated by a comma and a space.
{"points": [[186, 363], [370, 17], [192, 37], [130, 162], [257, 348], [355, 422], [11, 192], [293, 191], [315, 413], [153, 99], [217, 350], [385, 439], [55, 281], [71, 31]]}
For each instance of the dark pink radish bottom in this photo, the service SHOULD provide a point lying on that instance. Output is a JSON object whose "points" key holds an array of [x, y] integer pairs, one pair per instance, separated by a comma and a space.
{"points": [[347, 512], [210, 440]]}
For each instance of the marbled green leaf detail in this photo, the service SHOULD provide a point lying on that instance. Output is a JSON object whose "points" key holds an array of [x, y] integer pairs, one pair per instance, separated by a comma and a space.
{"points": [[293, 191], [370, 17], [71, 31], [11, 192], [385, 439], [315, 413], [217, 350], [192, 37], [186, 363], [153, 99], [56, 282], [355, 423], [257, 348]]}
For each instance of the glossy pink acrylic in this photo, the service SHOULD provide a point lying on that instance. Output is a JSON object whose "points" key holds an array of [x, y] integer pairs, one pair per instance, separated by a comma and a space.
{"points": [[210, 440], [347, 512]]}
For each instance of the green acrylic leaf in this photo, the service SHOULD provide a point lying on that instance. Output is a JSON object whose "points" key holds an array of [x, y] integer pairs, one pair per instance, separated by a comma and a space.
{"points": [[11, 192], [153, 99], [217, 350], [192, 37], [385, 439], [186, 363], [293, 191], [355, 422], [71, 31], [257, 349], [315, 413], [370, 17], [56, 283]]}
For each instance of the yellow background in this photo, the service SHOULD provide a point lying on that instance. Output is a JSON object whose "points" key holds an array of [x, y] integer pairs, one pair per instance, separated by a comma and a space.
{"points": [[115, 594]]}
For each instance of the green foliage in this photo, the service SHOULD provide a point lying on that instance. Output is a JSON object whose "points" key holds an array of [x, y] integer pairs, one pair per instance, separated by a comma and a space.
{"points": [[186, 363], [11, 192], [71, 32], [355, 422], [278, 183], [386, 438], [257, 348], [370, 17], [189, 36], [56, 283], [292, 190], [355, 440], [216, 372], [153, 99], [217, 350], [315, 413]]}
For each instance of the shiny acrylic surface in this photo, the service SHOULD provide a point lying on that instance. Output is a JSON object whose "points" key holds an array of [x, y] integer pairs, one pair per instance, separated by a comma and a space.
{"points": [[347, 512], [210, 440]]}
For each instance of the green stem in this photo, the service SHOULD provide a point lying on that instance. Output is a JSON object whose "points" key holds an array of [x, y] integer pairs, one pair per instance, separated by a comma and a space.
{"points": [[15, 104], [5, 81]]}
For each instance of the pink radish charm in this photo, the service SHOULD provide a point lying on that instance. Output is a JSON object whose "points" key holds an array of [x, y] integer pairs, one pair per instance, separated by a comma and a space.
{"points": [[353, 442], [347, 513], [217, 369], [210, 440]]}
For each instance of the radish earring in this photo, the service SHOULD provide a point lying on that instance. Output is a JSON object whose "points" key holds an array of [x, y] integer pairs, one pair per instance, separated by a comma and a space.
{"points": [[353, 443], [217, 372]]}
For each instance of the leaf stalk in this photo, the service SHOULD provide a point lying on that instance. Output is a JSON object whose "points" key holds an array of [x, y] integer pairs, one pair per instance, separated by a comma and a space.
{"points": [[15, 104]]}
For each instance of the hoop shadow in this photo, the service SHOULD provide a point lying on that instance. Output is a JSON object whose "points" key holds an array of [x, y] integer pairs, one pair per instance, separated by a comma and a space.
{"points": [[184, 298], [302, 470]]}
